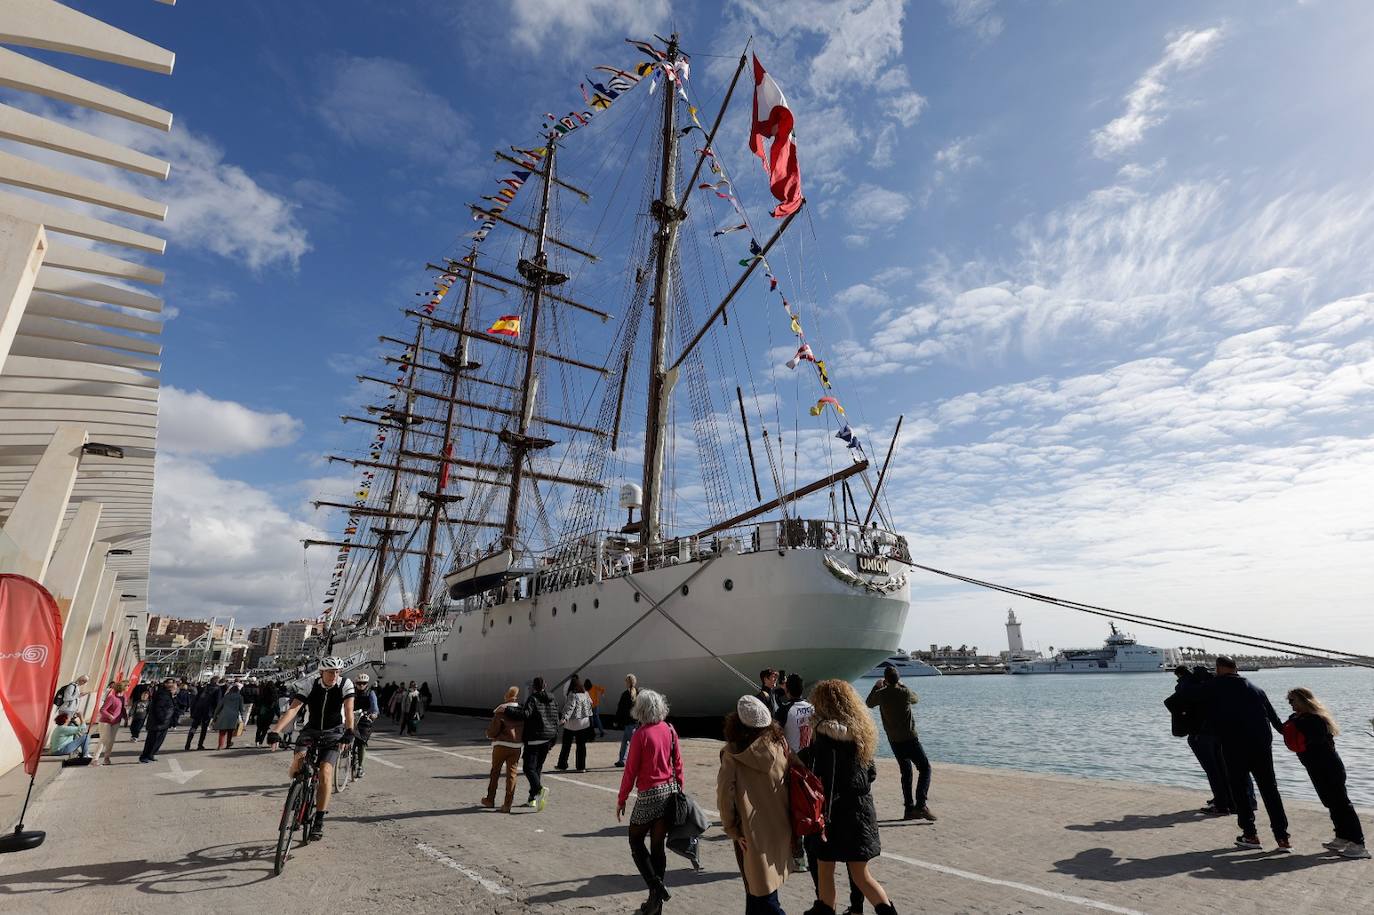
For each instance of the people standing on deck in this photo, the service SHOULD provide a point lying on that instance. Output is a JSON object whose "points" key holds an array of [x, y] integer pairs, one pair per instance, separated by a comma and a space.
{"points": [[138, 712], [624, 716], [161, 708], [229, 715], [1245, 722], [794, 714], [1188, 713], [595, 694], [202, 711], [68, 698], [111, 711], [1311, 733], [768, 684], [540, 715], [265, 712], [654, 770], [755, 808], [894, 700], [577, 724], [506, 733], [841, 755]]}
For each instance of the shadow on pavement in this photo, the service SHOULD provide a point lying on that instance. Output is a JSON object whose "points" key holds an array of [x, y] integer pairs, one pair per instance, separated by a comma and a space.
{"points": [[216, 867], [1133, 821], [232, 791], [1212, 864], [407, 815], [616, 884]]}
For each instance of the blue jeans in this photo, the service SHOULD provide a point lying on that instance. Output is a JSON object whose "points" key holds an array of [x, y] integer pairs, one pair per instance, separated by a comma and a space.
{"points": [[763, 905], [76, 743], [909, 753], [625, 734]]}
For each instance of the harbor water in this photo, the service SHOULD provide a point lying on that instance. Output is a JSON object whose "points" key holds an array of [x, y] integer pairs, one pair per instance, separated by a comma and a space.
{"points": [[1116, 727]]}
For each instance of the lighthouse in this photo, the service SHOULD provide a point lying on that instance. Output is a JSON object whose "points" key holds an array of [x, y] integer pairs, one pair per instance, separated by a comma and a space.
{"points": [[1014, 645]]}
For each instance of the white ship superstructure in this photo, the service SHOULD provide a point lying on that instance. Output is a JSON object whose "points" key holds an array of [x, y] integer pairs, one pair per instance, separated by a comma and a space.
{"points": [[515, 415], [1119, 654]]}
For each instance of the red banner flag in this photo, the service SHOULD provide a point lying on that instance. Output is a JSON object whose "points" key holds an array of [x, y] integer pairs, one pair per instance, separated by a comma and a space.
{"points": [[773, 121], [30, 657], [133, 679]]}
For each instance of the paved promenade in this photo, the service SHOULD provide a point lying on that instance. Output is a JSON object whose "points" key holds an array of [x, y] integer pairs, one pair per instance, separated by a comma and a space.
{"points": [[412, 838]]}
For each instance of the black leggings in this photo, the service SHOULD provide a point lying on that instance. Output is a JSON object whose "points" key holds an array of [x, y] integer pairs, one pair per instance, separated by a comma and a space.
{"points": [[652, 864]]}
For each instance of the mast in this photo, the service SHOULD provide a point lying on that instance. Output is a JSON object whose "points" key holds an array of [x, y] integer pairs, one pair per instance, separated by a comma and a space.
{"points": [[384, 533], [536, 273], [666, 211], [454, 364]]}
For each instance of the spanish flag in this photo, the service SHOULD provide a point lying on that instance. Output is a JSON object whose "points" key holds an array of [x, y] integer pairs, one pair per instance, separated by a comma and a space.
{"points": [[506, 326]]}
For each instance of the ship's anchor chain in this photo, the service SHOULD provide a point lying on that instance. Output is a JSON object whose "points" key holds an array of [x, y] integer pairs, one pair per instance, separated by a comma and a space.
{"points": [[850, 577]]}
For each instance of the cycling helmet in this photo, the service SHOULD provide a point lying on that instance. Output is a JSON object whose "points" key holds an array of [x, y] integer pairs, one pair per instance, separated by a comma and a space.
{"points": [[363, 678], [331, 663]]}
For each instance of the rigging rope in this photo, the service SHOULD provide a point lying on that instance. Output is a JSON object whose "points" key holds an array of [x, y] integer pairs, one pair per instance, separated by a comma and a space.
{"points": [[1234, 638]]}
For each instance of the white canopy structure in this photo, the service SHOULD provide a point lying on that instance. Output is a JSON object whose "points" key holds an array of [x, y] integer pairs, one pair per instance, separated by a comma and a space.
{"points": [[79, 349]]}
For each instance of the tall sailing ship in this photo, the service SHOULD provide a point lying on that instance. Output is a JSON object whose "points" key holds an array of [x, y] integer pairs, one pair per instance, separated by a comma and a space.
{"points": [[552, 489]]}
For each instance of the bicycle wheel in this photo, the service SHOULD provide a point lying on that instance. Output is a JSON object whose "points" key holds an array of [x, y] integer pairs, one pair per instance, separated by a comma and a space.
{"points": [[290, 816], [308, 807], [343, 772]]}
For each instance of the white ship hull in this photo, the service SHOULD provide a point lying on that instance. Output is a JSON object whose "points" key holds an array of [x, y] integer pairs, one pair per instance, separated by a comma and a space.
{"points": [[785, 609]]}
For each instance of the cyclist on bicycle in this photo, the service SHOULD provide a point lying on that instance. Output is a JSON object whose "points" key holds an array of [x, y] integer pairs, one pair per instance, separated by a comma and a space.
{"points": [[365, 702], [329, 706]]}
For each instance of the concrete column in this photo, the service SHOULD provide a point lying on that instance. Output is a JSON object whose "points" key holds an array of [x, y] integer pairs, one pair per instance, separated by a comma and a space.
{"points": [[69, 562], [30, 532], [22, 245], [92, 642], [96, 671], [83, 608]]}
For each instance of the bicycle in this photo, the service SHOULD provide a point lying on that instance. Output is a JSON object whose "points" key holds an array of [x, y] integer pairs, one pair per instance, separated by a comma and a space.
{"points": [[363, 729], [299, 809]]}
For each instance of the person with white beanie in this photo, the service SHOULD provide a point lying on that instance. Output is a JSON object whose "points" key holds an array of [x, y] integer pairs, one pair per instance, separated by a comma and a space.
{"points": [[751, 792]]}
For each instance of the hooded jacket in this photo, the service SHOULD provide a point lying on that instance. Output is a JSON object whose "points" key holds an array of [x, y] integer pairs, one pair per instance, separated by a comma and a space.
{"points": [[851, 820], [751, 793], [541, 718]]}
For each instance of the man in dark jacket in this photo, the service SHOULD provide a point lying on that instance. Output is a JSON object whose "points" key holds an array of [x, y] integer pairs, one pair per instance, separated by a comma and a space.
{"points": [[1242, 717], [1188, 710], [161, 708], [182, 701], [540, 714], [894, 700], [202, 710]]}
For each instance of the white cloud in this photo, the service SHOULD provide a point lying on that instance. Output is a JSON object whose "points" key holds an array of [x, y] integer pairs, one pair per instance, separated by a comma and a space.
{"points": [[224, 547], [979, 16], [905, 107], [874, 207], [1148, 102], [884, 147], [385, 104], [193, 423], [861, 295], [953, 158], [827, 139], [861, 38], [566, 27]]}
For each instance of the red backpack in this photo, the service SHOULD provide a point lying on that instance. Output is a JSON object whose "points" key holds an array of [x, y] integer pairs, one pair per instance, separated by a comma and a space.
{"points": [[1293, 738], [806, 797]]}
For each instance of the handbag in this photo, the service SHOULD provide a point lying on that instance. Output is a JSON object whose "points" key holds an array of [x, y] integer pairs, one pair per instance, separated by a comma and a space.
{"points": [[238, 731]]}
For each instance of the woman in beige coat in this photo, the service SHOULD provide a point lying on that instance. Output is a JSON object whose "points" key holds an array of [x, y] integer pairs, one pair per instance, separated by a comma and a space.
{"points": [[751, 792]]}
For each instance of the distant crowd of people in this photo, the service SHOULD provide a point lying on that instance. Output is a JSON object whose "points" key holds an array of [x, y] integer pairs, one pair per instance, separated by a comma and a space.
{"points": [[780, 821], [1230, 725]]}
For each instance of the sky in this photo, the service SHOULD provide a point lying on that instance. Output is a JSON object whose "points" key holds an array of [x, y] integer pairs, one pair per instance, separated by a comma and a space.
{"points": [[1111, 263]]}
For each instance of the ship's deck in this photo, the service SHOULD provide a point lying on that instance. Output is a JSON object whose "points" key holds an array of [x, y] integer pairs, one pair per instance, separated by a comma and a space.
{"points": [[411, 838]]}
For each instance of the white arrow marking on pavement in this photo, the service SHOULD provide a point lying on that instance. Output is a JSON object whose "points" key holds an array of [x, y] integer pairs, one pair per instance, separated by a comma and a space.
{"points": [[179, 775]]}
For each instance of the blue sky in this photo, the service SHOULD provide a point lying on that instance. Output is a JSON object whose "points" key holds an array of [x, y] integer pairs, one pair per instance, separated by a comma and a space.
{"points": [[1110, 260]]}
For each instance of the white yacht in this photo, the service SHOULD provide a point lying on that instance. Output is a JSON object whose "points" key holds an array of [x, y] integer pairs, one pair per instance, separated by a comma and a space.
{"points": [[1120, 654], [906, 665]]}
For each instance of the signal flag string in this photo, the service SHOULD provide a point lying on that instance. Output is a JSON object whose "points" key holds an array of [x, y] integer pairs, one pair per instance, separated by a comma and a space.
{"points": [[1234, 638]]}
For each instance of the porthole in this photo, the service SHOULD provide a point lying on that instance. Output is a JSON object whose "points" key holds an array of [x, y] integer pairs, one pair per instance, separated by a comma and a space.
{"points": [[460, 630], [446, 653], [596, 603], [574, 608], [509, 620], [555, 611], [729, 584], [636, 597], [684, 590]]}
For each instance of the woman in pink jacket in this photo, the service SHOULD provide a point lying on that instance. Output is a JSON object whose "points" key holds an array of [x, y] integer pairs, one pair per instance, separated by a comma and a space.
{"points": [[110, 714], [654, 769]]}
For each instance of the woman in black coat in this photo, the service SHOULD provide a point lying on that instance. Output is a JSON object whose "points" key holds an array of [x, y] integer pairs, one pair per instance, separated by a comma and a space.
{"points": [[841, 755]]}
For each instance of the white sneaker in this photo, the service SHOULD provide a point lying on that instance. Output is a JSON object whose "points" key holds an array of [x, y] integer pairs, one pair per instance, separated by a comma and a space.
{"points": [[1352, 850], [1335, 844]]}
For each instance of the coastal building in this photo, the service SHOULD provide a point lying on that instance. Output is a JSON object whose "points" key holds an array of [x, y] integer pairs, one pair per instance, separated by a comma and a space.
{"points": [[293, 636], [79, 355]]}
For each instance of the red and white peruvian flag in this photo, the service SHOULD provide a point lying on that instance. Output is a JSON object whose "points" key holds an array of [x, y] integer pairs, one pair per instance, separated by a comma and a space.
{"points": [[773, 121]]}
